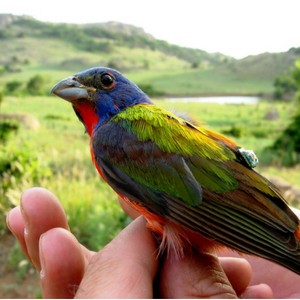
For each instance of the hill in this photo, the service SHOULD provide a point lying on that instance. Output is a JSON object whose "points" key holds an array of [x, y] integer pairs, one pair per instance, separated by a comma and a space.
{"points": [[29, 46]]}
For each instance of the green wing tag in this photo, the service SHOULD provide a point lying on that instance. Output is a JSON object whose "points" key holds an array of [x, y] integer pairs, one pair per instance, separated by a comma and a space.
{"points": [[248, 157]]}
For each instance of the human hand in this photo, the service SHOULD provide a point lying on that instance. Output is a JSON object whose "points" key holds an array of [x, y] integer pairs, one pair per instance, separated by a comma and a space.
{"points": [[127, 267]]}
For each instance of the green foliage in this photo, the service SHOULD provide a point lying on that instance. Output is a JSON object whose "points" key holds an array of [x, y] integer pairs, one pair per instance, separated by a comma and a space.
{"points": [[18, 263], [235, 131], [36, 85], [285, 87], [260, 133], [7, 127], [296, 72], [12, 86], [287, 144], [77, 63], [116, 64], [18, 168], [1, 97], [150, 90], [56, 117], [2, 70]]}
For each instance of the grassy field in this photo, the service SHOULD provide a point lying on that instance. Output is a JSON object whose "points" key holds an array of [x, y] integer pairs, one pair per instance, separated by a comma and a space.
{"points": [[201, 81], [62, 148]]}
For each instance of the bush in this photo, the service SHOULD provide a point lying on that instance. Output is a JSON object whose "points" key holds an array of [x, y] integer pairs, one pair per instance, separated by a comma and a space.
{"points": [[288, 143], [36, 85], [12, 86], [150, 90], [6, 128], [285, 87], [19, 169], [260, 133], [235, 131]]}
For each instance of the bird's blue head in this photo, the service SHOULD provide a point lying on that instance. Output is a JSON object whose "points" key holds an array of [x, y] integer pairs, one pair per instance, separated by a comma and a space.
{"points": [[97, 94]]}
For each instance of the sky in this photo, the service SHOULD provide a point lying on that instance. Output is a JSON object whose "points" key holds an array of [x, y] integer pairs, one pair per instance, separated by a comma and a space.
{"points": [[233, 27]]}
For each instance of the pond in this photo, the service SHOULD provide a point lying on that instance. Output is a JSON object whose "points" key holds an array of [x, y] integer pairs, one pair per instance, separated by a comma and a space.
{"points": [[218, 99]]}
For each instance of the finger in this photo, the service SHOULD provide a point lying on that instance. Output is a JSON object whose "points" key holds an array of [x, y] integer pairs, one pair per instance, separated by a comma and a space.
{"points": [[125, 268], [267, 272], [197, 275], [260, 291], [15, 223], [132, 213], [61, 272], [239, 274], [233, 266], [41, 211]]}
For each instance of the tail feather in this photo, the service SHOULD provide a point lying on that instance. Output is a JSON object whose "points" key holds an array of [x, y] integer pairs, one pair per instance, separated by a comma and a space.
{"points": [[239, 231]]}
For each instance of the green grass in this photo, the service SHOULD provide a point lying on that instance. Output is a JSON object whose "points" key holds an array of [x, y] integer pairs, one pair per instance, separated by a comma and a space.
{"points": [[63, 146], [202, 81]]}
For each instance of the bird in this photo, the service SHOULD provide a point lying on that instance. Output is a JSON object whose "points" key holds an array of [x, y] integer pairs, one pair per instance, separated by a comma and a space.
{"points": [[195, 187]]}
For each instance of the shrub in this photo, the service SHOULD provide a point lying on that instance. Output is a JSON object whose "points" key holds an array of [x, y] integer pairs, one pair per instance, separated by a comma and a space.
{"points": [[12, 86], [288, 143], [6, 128], [36, 85], [19, 169], [235, 131], [150, 90], [260, 133]]}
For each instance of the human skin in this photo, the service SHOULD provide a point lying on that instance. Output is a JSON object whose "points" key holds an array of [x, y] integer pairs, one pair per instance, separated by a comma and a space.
{"points": [[128, 267]]}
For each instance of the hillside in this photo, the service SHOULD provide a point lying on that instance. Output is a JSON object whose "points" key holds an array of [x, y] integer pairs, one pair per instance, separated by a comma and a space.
{"points": [[97, 38], [29, 47]]}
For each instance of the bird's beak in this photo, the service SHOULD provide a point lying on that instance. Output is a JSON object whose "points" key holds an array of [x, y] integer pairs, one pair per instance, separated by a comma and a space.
{"points": [[72, 90]]}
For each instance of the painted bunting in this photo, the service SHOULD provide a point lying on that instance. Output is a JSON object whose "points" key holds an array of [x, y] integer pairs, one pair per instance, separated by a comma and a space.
{"points": [[195, 187]]}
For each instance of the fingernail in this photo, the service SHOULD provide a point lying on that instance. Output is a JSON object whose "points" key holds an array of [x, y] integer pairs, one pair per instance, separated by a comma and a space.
{"points": [[42, 258], [8, 216], [25, 217], [259, 291], [7, 221]]}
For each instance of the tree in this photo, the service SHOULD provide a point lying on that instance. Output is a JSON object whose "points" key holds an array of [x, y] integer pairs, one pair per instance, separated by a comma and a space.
{"points": [[288, 143], [285, 87], [296, 77]]}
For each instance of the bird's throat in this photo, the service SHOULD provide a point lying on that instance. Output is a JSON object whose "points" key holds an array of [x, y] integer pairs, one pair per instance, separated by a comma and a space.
{"points": [[86, 113]]}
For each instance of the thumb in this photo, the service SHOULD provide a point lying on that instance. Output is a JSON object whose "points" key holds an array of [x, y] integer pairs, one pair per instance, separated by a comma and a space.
{"points": [[198, 275]]}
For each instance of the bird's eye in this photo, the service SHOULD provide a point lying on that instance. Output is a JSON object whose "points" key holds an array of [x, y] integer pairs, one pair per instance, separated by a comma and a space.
{"points": [[107, 81]]}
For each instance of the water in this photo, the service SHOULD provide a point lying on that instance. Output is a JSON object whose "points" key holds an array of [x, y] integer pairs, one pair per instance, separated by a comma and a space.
{"points": [[218, 99]]}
